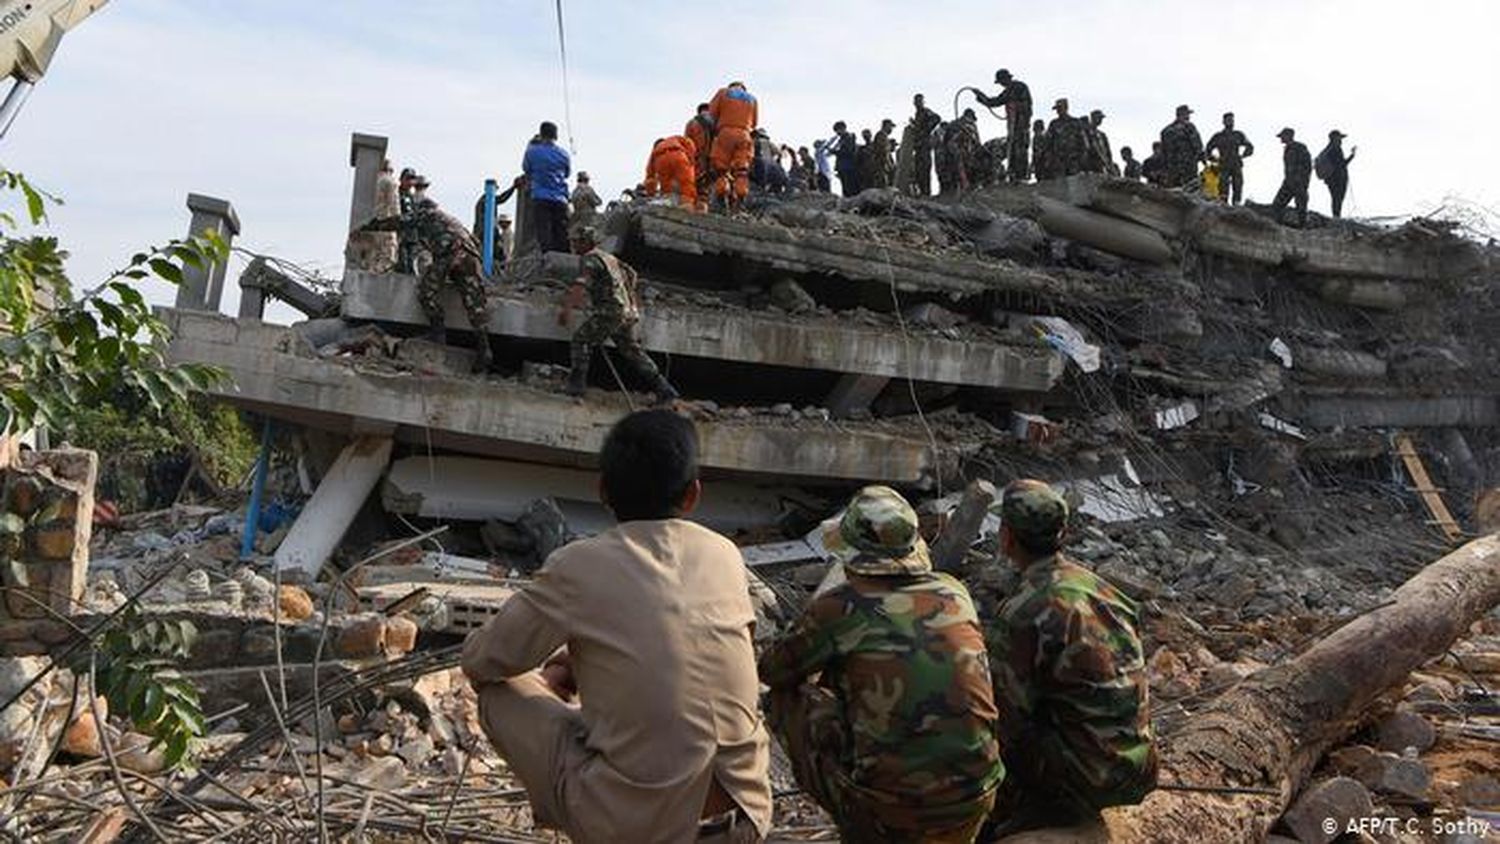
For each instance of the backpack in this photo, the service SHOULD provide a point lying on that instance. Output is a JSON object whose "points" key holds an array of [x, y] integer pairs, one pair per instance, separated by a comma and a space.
{"points": [[1323, 165]]}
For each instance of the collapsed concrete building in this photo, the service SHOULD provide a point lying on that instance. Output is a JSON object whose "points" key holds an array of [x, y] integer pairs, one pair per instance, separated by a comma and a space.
{"points": [[1264, 429], [828, 343]]}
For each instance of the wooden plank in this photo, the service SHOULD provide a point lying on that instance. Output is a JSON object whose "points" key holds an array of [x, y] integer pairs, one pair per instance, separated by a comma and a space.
{"points": [[1422, 485]]}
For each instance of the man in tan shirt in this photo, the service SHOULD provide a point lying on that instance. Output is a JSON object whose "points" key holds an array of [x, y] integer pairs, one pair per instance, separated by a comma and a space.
{"points": [[649, 623]]}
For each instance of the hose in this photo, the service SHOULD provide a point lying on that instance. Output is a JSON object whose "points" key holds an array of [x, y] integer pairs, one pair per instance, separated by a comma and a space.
{"points": [[998, 116]]}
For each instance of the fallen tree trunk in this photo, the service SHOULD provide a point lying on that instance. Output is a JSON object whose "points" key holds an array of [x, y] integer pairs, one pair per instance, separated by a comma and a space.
{"points": [[1272, 729]]}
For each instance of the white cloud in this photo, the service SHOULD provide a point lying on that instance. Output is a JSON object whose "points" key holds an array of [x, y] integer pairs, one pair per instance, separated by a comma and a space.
{"points": [[255, 103]]}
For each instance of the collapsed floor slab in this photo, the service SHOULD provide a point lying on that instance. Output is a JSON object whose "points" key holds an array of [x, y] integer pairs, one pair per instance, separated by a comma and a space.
{"points": [[736, 334], [854, 260], [274, 374], [1240, 233]]}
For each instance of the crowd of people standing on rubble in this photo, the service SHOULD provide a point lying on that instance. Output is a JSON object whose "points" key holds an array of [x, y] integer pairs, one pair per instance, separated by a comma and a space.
{"points": [[723, 154]]}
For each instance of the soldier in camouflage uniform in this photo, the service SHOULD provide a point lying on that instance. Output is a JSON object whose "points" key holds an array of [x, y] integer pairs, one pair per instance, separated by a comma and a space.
{"points": [[1182, 149], [1070, 678], [1067, 141], [964, 145], [406, 250], [1041, 155], [881, 694], [615, 310], [455, 262]]}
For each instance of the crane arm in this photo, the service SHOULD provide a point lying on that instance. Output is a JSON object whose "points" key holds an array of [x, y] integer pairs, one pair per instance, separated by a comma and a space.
{"points": [[31, 29]]}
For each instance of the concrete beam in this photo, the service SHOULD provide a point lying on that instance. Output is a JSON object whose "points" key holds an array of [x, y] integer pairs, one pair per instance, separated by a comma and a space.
{"points": [[1385, 409], [740, 335], [331, 510], [856, 260], [507, 419], [477, 489], [202, 288]]}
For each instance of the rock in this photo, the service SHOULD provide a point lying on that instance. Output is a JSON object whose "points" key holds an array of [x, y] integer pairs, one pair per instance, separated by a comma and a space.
{"points": [[453, 761], [296, 604], [783, 409], [131, 751], [932, 315], [544, 524], [791, 297], [81, 738], [380, 773], [362, 638], [440, 730], [1340, 800], [1403, 729], [400, 635], [416, 752], [1480, 792], [1347, 760], [1388, 773]]}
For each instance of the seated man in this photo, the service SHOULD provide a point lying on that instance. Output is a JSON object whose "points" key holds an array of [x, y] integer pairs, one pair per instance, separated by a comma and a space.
{"points": [[650, 622], [896, 738], [1070, 678]]}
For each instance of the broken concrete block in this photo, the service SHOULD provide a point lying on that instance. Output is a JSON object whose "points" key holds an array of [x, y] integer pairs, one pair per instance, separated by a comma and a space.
{"points": [[435, 358], [400, 635], [362, 638], [791, 297], [296, 604], [1402, 730], [546, 526], [1338, 800], [328, 514], [1388, 773]]}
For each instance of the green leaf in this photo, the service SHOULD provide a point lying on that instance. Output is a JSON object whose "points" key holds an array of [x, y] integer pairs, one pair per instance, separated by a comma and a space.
{"points": [[166, 269], [153, 705], [129, 296], [34, 206]]}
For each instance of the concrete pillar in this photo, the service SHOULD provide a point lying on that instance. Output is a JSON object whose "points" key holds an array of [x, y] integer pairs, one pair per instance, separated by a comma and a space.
{"points": [[331, 510], [854, 392], [1113, 235], [366, 152], [202, 289]]}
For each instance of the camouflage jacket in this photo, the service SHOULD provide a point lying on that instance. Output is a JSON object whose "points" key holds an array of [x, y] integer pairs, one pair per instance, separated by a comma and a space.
{"points": [[1070, 678], [436, 231], [1068, 143], [613, 287], [1232, 147], [1181, 145], [905, 656]]}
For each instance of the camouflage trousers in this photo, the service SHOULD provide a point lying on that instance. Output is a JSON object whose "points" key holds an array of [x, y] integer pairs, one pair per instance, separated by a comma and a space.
{"points": [[461, 270], [808, 721], [600, 327], [1018, 146]]}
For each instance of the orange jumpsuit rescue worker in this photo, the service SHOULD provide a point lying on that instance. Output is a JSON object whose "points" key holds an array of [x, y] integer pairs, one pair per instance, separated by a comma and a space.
{"points": [[671, 170], [735, 113], [700, 130]]}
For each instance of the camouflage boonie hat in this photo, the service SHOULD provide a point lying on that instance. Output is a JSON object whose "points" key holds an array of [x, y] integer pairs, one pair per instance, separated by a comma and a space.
{"points": [[1031, 508], [877, 535]]}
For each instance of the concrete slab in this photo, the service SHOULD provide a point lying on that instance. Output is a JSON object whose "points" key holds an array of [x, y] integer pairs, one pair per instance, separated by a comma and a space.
{"points": [[274, 375], [740, 335], [858, 260], [1241, 233]]}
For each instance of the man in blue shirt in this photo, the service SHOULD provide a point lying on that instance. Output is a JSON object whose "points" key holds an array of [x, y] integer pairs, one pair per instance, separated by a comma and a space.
{"points": [[547, 168]]}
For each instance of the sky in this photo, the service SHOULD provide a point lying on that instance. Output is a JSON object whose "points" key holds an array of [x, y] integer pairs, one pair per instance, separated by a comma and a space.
{"points": [[254, 101]]}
